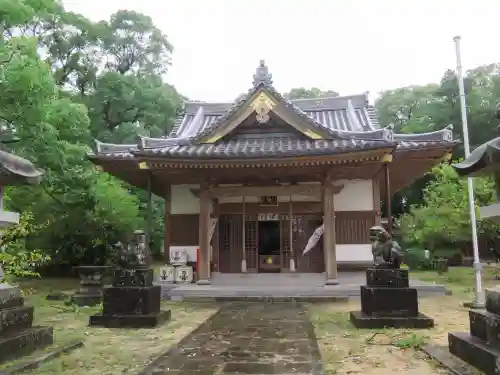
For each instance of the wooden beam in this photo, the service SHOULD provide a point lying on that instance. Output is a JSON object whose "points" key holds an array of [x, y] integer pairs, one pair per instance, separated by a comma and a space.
{"points": [[260, 191], [302, 208]]}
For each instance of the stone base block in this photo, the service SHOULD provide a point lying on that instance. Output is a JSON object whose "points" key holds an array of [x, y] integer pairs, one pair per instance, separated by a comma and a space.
{"points": [[389, 301], [475, 352], [485, 326], [82, 299], [361, 320], [25, 342], [131, 300], [130, 321], [16, 319], [10, 303], [389, 278]]}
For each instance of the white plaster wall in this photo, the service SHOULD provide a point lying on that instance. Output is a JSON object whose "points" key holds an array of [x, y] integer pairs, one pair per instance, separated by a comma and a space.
{"points": [[345, 253], [357, 195], [183, 201], [354, 253]]}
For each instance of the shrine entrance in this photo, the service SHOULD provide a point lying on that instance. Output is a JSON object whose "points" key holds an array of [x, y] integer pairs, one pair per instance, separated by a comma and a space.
{"points": [[269, 246], [267, 239]]}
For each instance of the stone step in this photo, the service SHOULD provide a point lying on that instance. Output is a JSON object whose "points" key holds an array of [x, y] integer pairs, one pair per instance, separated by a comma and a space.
{"points": [[193, 290], [15, 319], [16, 344], [475, 352], [263, 279], [271, 299], [485, 326]]}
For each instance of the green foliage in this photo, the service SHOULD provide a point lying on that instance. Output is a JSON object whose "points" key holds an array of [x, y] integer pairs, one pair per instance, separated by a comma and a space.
{"points": [[443, 220], [15, 258], [46, 103], [411, 341], [313, 92]]}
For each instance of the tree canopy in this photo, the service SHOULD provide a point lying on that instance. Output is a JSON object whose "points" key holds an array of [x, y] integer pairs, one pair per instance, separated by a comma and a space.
{"points": [[64, 81]]}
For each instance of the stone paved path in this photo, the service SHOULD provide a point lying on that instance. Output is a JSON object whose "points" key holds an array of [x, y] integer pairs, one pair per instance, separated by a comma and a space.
{"points": [[247, 338]]}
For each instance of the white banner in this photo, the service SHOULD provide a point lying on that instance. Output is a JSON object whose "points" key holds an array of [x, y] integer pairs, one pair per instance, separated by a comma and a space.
{"points": [[213, 224], [313, 240]]}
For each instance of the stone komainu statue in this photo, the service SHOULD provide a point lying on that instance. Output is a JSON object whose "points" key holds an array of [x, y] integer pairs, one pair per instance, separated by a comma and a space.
{"points": [[136, 254], [386, 252]]}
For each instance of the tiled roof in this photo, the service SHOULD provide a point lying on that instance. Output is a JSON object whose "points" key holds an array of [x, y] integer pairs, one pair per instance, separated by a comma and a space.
{"points": [[344, 113], [346, 123], [265, 147], [483, 160]]}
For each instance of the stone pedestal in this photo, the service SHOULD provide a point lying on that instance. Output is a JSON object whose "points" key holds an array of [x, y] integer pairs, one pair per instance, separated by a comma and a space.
{"points": [[388, 301], [131, 302], [18, 336], [91, 284], [481, 347]]}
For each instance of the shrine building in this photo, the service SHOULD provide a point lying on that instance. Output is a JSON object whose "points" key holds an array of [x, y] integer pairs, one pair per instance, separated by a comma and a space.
{"points": [[247, 183]]}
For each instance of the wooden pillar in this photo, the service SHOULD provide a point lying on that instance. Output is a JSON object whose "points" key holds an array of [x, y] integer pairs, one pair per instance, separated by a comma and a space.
{"points": [[329, 238], [2, 195], [214, 243], [290, 233], [204, 237], [243, 236], [387, 159], [167, 224], [376, 199], [496, 179], [150, 207]]}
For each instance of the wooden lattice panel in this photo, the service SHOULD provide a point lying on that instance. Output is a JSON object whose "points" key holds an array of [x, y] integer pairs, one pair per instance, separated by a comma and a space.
{"points": [[251, 243], [285, 242], [236, 250], [224, 231], [215, 247]]}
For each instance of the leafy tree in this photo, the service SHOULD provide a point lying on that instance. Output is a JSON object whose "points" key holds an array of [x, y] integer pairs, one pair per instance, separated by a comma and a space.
{"points": [[313, 92], [15, 258], [54, 134], [442, 220]]}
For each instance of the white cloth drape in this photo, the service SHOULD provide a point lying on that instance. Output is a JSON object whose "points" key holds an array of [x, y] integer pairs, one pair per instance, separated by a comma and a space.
{"points": [[313, 240]]}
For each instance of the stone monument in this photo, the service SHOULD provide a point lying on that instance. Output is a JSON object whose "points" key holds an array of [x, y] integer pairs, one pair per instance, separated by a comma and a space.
{"points": [[481, 347], [387, 299], [91, 285], [18, 336], [132, 301]]}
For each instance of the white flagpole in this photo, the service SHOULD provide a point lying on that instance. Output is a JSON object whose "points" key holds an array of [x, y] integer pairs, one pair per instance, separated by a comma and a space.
{"points": [[479, 301]]}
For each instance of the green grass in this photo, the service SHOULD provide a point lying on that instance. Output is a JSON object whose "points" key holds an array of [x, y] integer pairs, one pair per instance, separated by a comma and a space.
{"points": [[460, 280]]}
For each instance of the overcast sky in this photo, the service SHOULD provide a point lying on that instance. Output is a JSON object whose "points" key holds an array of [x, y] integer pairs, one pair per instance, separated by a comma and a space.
{"points": [[350, 46]]}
